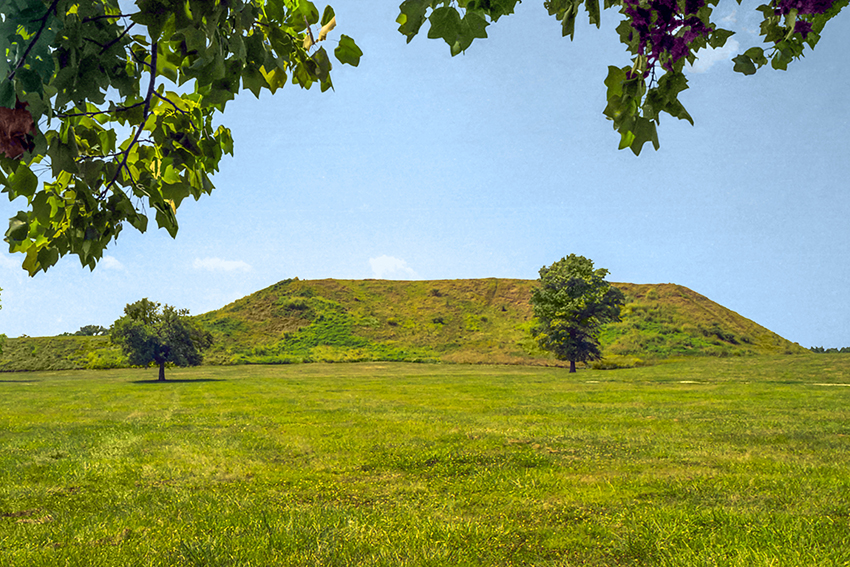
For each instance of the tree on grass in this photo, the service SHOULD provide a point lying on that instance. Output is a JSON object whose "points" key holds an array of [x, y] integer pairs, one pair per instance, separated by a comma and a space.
{"points": [[149, 334], [571, 303]]}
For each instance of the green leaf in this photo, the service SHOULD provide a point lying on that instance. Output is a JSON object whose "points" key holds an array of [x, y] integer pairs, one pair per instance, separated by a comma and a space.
{"points": [[255, 50], [493, 8], [18, 228], [473, 26], [307, 9], [644, 131], [154, 14], [347, 51], [30, 80], [718, 38], [327, 15], [615, 79], [63, 155], [7, 94], [627, 137], [744, 64], [568, 22], [502, 8], [253, 80], [41, 208], [322, 66], [664, 97], [757, 55], [780, 61], [445, 23], [21, 183], [411, 17], [166, 219], [47, 256], [592, 7]]}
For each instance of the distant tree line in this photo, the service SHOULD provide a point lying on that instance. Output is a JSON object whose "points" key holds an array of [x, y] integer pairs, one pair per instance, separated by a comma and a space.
{"points": [[821, 350], [88, 331]]}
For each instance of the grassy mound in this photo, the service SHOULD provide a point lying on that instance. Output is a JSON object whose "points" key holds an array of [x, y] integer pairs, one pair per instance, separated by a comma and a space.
{"points": [[464, 321], [483, 321]]}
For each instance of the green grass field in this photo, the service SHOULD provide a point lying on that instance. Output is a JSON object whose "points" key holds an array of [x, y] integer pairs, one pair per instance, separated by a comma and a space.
{"points": [[735, 461]]}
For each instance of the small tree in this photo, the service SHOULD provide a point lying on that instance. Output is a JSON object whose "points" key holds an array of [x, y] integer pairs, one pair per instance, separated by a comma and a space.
{"points": [[148, 334], [91, 331], [571, 303]]}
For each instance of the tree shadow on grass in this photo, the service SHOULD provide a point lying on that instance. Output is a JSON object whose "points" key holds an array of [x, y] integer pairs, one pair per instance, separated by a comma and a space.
{"points": [[18, 381], [177, 381]]}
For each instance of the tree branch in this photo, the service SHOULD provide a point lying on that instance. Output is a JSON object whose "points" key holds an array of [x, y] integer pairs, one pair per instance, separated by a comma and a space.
{"points": [[145, 114], [105, 17], [100, 112], [35, 39], [177, 108], [104, 47]]}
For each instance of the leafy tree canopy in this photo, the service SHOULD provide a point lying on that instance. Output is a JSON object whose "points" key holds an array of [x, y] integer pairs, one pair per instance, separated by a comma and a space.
{"points": [[151, 334], [117, 109], [659, 35], [571, 302]]}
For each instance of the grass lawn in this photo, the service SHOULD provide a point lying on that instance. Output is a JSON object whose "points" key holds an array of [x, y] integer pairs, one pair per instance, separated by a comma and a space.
{"points": [[741, 461]]}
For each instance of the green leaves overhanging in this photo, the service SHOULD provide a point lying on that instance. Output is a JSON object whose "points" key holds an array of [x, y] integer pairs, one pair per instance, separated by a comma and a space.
{"points": [[86, 74]]}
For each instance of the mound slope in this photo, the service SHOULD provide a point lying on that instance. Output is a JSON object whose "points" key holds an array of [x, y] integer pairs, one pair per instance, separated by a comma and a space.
{"points": [[475, 321]]}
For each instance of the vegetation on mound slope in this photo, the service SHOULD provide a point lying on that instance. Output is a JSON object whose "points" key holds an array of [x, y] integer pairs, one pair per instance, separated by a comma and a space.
{"points": [[473, 321], [666, 320], [60, 353], [458, 321]]}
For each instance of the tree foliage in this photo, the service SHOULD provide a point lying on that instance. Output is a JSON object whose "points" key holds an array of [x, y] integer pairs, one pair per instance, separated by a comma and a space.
{"points": [[571, 302], [833, 350], [91, 331], [661, 36], [151, 334], [116, 110]]}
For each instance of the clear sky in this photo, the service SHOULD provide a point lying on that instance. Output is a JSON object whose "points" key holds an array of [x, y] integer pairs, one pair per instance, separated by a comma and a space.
{"points": [[495, 163]]}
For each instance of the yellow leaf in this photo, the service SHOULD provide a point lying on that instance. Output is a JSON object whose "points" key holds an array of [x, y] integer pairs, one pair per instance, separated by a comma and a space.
{"points": [[323, 33]]}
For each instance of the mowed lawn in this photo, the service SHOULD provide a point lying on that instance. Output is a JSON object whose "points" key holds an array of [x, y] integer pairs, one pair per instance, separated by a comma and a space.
{"points": [[740, 461]]}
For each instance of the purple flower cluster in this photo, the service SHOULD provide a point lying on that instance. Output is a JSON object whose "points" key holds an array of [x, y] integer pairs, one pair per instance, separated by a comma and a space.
{"points": [[803, 7], [803, 28], [657, 23]]}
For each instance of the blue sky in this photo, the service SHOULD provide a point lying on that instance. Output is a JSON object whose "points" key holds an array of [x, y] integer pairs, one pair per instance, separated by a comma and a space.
{"points": [[495, 163]]}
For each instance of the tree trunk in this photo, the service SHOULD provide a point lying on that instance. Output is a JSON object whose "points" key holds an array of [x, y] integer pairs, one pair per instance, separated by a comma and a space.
{"points": [[572, 366], [162, 372]]}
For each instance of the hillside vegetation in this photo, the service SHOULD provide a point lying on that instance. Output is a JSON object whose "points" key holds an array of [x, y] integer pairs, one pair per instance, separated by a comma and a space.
{"points": [[59, 353], [471, 321], [457, 321]]}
